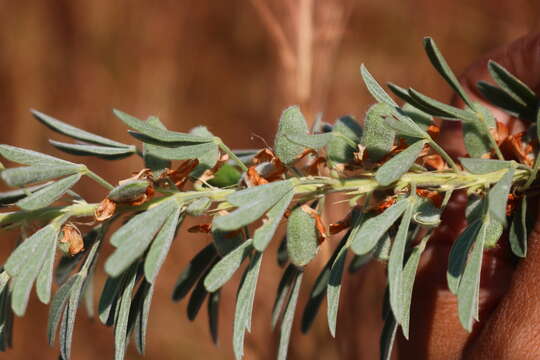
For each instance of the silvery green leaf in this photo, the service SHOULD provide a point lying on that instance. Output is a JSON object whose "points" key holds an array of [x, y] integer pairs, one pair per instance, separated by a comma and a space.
{"points": [[122, 315], [227, 266], [264, 234], [404, 95], [334, 289], [288, 318], [377, 138], [105, 152], [459, 253], [213, 315], [132, 239], [394, 168], [408, 276], [49, 194], [199, 206], [129, 190], [10, 197], [347, 134], [388, 336], [374, 228], [68, 321], [25, 175], [57, 306], [468, 290], [157, 133], [442, 67], [283, 292], [302, 242], [208, 160], [405, 127], [292, 122], [156, 164], [518, 230], [381, 251], [494, 231], [484, 166], [437, 108], [160, 246], [513, 86], [193, 271], [30, 157], [502, 99], [475, 135], [45, 275], [244, 304], [252, 204], [316, 141], [184, 152], [420, 118], [109, 297], [71, 131], [198, 295], [143, 299], [395, 263], [498, 196], [375, 89], [427, 214]]}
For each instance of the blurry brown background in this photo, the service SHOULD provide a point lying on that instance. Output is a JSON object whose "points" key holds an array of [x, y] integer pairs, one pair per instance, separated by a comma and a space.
{"points": [[233, 66]]}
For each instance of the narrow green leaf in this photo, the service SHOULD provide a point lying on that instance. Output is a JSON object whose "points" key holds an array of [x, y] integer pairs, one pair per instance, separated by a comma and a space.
{"points": [[156, 132], [315, 142], [288, 318], [388, 336], [10, 197], [30, 157], [184, 152], [244, 304], [518, 230], [193, 271], [458, 255], [442, 67], [469, 285], [375, 89], [427, 214], [395, 263], [213, 315], [408, 277], [253, 203], [484, 166], [377, 138], [502, 99], [49, 194], [475, 134], [394, 168], [334, 289], [437, 108], [405, 127], [419, 117], [58, 304], [283, 292], [513, 86], [374, 228], [498, 196], [199, 206], [122, 316], [142, 229], [302, 242], [45, 275], [227, 266], [160, 246], [264, 234], [144, 300], [291, 122], [71, 131], [108, 298], [198, 295], [404, 95], [156, 164], [105, 152], [22, 176], [347, 134], [208, 160]]}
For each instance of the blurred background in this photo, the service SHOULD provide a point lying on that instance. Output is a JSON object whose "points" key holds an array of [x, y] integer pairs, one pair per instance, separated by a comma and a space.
{"points": [[232, 66]]}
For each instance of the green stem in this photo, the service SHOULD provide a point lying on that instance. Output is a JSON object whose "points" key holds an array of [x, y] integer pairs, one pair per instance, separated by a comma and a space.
{"points": [[444, 155], [92, 175], [231, 154]]}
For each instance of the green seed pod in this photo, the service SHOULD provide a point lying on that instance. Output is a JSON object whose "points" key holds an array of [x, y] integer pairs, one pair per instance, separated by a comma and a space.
{"points": [[129, 190], [302, 243]]}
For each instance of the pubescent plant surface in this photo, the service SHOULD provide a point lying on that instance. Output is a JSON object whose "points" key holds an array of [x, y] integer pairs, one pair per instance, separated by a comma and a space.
{"points": [[394, 175]]}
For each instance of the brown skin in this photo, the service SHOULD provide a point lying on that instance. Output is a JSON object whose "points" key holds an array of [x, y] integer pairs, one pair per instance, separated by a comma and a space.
{"points": [[509, 326]]}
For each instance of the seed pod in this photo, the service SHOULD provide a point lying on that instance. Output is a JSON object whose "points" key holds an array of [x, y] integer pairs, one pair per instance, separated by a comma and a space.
{"points": [[129, 191], [302, 239]]}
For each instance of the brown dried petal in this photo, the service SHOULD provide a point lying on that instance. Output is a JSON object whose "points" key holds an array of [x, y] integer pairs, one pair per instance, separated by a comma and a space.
{"points": [[105, 210], [73, 237], [319, 223]]}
